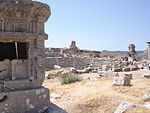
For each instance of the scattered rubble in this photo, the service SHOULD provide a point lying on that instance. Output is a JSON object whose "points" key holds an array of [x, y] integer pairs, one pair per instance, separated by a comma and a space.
{"points": [[124, 106]]}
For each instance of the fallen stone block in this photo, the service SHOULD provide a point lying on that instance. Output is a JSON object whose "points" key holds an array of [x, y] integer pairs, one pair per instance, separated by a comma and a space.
{"points": [[126, 69], [146, 97], [117, 69], [73, 70], [49, 76], [106, 74], [146, 76], [94, 71], [147, 105], [124, 106], [122, 81], [55, 96], [134, 68], [83, 71], [128, 75], [105, 68], [57, 67]]}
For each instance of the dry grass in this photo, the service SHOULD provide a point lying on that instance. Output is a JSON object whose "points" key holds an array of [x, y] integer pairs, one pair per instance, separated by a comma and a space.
{"points": [[139, 88], [97, 104], [101, 96], [138, 110]]}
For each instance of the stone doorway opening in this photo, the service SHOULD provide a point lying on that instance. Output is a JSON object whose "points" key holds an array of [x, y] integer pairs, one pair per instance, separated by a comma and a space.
{"points": [[13, 50]]}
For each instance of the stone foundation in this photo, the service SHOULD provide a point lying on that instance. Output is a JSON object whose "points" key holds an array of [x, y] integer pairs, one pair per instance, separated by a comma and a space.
{"points": [[28, 101]]}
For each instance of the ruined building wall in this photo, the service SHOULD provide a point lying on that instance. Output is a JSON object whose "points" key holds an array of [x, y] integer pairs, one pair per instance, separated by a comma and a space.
{"points": [[78, 63], [148, 52]]}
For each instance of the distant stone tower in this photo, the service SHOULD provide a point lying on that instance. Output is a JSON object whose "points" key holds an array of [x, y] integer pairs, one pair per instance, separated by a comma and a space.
{"points": [[73, 46], [148, 50], [22, 58], [131, 52]]}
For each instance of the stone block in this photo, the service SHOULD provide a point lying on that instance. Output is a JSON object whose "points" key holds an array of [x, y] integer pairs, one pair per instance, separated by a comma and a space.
{"points": [[19, 69], [147, 105], [117, 69], [25, 101], [146, 76], [128, 75], [146, 97], [124, 106], [122, 81], [5, 69], [126, 69]]}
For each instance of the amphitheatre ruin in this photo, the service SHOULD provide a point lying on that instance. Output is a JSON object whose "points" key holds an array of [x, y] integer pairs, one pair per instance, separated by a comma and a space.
{"points": [[36, 79]]}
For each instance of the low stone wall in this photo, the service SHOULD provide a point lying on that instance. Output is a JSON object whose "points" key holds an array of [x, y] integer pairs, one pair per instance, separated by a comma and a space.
{"points": [[78, 63]]}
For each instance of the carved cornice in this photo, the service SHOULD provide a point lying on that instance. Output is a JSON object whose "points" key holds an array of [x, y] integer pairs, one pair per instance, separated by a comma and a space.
{"points": [[25, 9]]}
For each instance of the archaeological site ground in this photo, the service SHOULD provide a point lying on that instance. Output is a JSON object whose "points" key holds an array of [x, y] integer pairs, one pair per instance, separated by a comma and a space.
{"points": [[106, 81]]}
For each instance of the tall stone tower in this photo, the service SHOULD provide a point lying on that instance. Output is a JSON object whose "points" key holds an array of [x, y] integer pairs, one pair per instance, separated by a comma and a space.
{"points": [[22, 56], [148, 50], [131, 53]]}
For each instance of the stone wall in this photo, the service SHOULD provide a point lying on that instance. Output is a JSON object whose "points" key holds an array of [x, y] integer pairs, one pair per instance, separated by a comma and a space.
{"points": [[78, 63], [64, 62]]}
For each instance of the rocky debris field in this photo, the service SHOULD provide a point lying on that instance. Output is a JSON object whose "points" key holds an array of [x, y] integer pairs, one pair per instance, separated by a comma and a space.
{"points": [[96, 94]]}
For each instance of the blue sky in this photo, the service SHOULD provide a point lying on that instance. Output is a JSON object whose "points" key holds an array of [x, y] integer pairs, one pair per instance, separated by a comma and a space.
{"points": [[99, 24]]}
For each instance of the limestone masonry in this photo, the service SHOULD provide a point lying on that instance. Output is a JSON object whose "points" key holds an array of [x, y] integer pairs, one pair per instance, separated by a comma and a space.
{"points": [[22, 56]]}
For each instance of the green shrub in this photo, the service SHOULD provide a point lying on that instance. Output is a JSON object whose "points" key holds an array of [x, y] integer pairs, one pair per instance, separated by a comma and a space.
{"points": [[69, 78], [95, 55]]}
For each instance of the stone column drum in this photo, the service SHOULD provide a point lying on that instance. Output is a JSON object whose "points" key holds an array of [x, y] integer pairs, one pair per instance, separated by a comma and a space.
{"points": [[22, 56]]}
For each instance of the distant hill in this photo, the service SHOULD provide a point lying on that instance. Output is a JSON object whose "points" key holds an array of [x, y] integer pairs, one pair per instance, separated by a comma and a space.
{"points": [[140, 54]]}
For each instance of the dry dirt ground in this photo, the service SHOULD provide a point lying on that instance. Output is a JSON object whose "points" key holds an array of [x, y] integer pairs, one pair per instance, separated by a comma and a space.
{"points": [[99, 95]]}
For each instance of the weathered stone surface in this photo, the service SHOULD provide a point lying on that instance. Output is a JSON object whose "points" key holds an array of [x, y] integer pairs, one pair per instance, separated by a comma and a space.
{"points": [[83, 71], [148, 50], [134, 68], [106, 74], [124, 106], [55, 109], [126, 69], [146, 97], [105, 68], [73, 46], [147, 105], [5, 69], [132, 53], [73, 70], [117, 69], [122, 81], [57, 67], [22, 56], [128, 75], [28, 101], [146, 76]]}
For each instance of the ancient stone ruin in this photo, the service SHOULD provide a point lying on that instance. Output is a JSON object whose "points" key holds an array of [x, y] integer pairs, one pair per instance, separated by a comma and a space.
{"points": [[73, 46], [73, 50], [22, 56], [132, 52], [148, 50]]}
